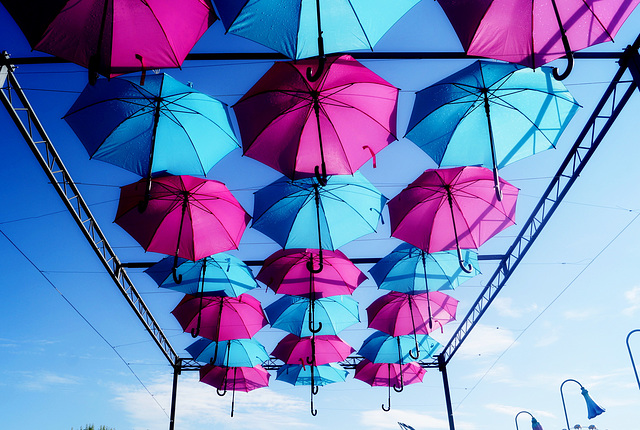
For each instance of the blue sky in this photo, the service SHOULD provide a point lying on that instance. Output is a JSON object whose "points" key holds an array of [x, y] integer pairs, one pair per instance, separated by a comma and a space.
{"points": [[564, 314]]}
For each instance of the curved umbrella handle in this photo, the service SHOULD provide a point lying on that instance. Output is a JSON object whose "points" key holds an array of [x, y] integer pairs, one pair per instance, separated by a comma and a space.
{"points": [[415, 357], [314, 76], [398, 390], [315, 330], [467, 269], [321, 177], [563, 75], [565, 44], [221, 393], [195, 332], [388, 408], [310, 267]]}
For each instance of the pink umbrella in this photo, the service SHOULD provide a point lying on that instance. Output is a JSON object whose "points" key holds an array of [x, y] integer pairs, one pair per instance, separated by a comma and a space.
{"points": [[185, 216], [234, 378], [112, 37], [399, 313], [314, 350], [388, 375], [220, 318], [533, 33], [291, 271], [455, 208], [337, 122]]}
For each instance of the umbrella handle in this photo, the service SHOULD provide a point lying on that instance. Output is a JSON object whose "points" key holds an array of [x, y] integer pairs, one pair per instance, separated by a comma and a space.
{"points": [[388, 408], [415, 357], [195, 332], [565, 44], [174, 271], [321, 177], [312, 330], [398, 390], [314, 76], [466, 269], [221, 393], [311, 269]]}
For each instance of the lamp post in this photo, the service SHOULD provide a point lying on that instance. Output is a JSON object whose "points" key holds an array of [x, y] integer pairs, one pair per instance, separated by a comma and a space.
{"points": [[593, 410], [535, 425], [631, 356]]}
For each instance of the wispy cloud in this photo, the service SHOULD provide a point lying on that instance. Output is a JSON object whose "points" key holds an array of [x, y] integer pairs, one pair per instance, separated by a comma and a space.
{"points": [[486, 340], [379, 419], [513, 410], [506, 308], [43, 381], [580, 314], [632, 298]]}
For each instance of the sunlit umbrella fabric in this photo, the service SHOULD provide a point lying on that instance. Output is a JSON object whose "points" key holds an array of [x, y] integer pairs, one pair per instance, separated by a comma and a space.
{"points": [[231, 353], [299, 350], [380, 347]]}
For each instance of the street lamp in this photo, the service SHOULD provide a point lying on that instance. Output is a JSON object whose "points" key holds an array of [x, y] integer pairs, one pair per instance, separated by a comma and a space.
{"points": [[631, 356], [535, 425], [593, 410]]}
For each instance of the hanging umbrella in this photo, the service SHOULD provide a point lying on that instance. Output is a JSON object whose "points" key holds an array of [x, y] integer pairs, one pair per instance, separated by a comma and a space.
{"points": [[287, 272], [220, 318], [533, 33], [234, 378], [383, 348], [221, 274], [332, 126], [116, 36], [186, 216], [304, 214], [315, 350], [231, 353], [315, 376], [388, 375], [408, 269], [490, 114], [163, 126], [299, 315], [452, 209], [399, 313]]}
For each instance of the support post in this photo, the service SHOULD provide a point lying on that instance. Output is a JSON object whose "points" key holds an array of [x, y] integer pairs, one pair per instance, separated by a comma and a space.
{"points": [[177, 368], [633, 63], [442, 366]]}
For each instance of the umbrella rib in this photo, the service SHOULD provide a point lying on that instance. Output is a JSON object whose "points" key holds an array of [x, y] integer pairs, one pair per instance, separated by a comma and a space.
{"points": [[360, 24], [175, 57]]}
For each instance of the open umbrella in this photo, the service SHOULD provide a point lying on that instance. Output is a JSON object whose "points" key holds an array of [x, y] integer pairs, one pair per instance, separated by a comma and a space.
{"points": [[332, 126], [226, 378], [231, 352], [533, 33], [388, 375], [220, 318], [186, 216], [220, 274], [408, 269], [490, 114], [287, 272], [304, 214], [315, 349], [112, 37], [399, 314], [298, 315], [315, 376], [163, 126], [454, 208]]}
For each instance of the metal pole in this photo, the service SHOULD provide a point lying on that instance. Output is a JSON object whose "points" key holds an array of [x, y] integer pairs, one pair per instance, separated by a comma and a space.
{"points": [[174, 392], [635, 371], [442, 366]]}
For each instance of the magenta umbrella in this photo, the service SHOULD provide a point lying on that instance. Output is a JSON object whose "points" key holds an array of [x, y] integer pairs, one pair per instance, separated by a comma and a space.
{"points": [[399, 313], [313, 350], [112, 37], [291, 271], [185, 216], [220, 318], [532, 33], [388, 375], [445, 209], [234, 378], [333, 125]]}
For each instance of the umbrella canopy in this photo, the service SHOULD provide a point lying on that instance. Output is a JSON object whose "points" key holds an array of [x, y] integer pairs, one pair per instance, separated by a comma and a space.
{"points": [[316, 350], [452, 208], [299, 315], [113, 37], [234, 378], [287, 272], [163, 126], [231, 353], [220, 318], [531, 33], [221, 274], [336, 123], [304, 214], [383, 348], [292, 28], [408, 269], [186, 216], [490, 114], [388, 375]]}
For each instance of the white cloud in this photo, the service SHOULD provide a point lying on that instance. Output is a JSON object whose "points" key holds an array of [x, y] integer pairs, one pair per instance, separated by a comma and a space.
{"points": [[199, 406], [512, 411], [486, 340], [632, 298], [505, 307], [580, 314], [43, 381], [379, 419]]}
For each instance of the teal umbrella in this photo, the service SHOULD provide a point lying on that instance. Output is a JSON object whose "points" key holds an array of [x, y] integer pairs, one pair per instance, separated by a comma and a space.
{"points": [[231, 353]]}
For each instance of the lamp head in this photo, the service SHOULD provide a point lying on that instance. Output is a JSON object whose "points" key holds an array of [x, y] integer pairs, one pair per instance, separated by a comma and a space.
{"points": [[593, 410], [535, 425]]}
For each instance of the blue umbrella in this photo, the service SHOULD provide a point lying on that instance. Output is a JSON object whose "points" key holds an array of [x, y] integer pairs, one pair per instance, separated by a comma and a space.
{"points": [[163, 126], [408, 269], [383, 348], [490, 114], [304, 214], [298, 315], [221, 274], [230, 353], [314, 376]]}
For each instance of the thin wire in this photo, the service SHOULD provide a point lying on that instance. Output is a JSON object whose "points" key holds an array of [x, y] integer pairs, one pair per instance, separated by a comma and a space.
{"points": [[83, 317], [548, 306]]}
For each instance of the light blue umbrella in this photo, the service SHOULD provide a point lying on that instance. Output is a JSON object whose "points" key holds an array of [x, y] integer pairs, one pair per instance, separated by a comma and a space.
{"points": [[221, 274], [490, 114], [229, 353], [304, 214], [300, 315], [408, 269], [383, 348]]}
